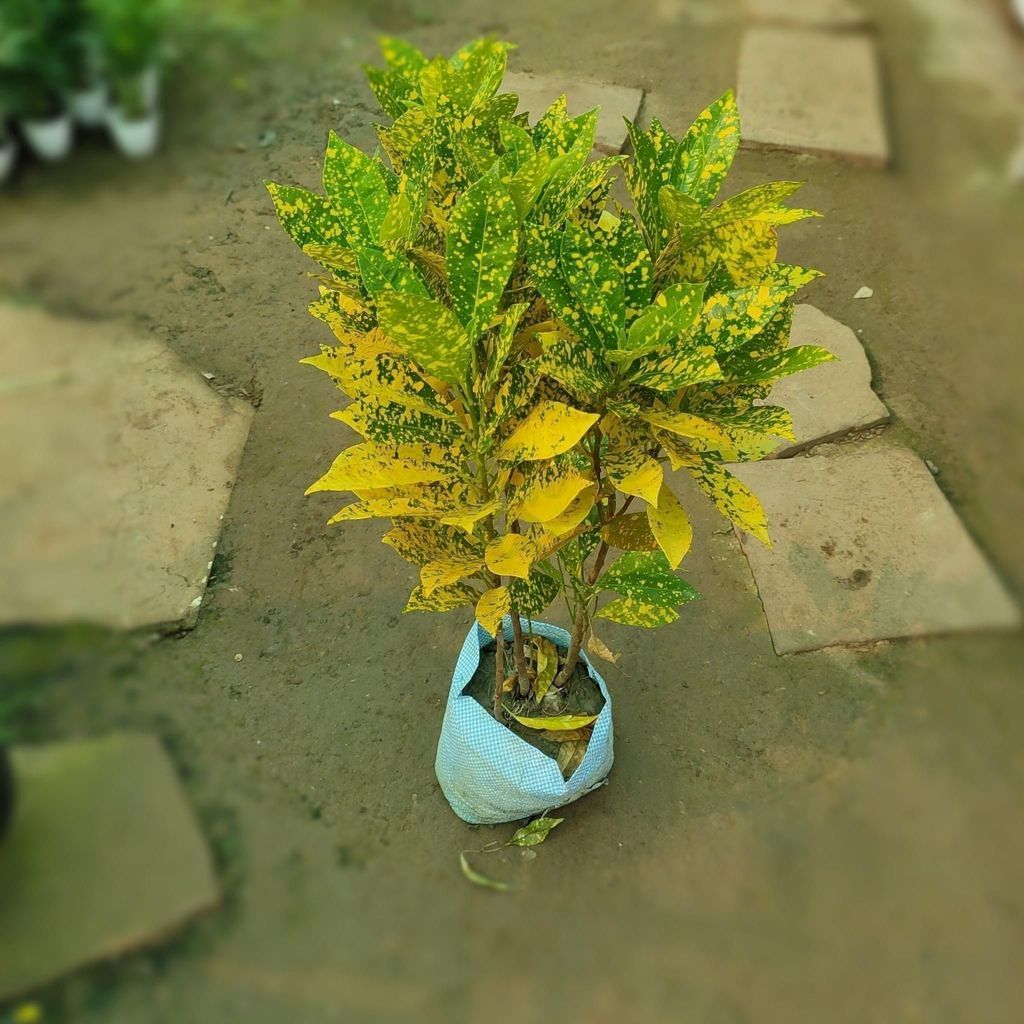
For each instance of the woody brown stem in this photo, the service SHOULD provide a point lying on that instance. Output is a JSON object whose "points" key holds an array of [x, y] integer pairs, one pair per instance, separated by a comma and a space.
{"points": [[499, 671], [519, 654]]}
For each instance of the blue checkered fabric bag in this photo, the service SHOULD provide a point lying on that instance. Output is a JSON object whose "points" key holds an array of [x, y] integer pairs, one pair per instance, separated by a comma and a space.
{"points": [[489, 774]]}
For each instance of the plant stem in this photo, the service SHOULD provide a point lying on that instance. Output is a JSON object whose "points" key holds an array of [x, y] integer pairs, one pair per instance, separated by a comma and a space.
{"points": [[520, 655], [572, 656], [499, 671]]}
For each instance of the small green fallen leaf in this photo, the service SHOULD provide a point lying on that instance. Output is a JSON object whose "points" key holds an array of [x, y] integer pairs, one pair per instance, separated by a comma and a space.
{"points": [[535, 833], [477, 879]]}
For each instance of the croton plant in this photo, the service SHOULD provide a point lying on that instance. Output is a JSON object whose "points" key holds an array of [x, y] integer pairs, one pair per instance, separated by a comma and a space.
{"points": [[526, 362]]}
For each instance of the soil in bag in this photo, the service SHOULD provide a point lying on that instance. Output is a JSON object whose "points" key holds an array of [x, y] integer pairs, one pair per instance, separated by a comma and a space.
{"points": [[581, 696]]}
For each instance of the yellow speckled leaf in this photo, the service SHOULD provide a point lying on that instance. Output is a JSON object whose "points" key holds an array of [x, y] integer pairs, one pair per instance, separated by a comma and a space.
{"points": [[547, 492], [370, 465], [671, 526], [732, 498], [511, 555], [556, 723], [443, 599], [575, 512], [631, 612], [549, 429], [445, 571], [630, 531], [627, 460], [492, 608], [547, 666], [685, 424], [428, 332], [421, 542]]}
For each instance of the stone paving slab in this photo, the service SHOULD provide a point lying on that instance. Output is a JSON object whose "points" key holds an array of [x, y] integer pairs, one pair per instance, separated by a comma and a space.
{"points": [[812, 91], [103, 857], [830, 14], [866, 547], [537, 93], [118, 465], [831, 399]]}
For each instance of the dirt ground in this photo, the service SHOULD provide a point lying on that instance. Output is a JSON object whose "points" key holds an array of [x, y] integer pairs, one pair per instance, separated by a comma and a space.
{"points": [[828, 837]]}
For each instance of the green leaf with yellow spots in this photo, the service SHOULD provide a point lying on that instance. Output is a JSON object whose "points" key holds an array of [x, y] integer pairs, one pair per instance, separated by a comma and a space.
{"points": [[741, 368], [543, 249], [355, 185], [549, 429], [428, 331], [480, 251], [389, 271], [650, 591], [707, 150], [499, 345], [310, 219], [531, 596], [441, 599], [731, 497], [667, 319], [595, 281], [629, 611], [576, 367], [647, 173], [671, 526], [625, 244], [757, 203], [694, 364], [525, 185], [400, 55], [681, 211]]}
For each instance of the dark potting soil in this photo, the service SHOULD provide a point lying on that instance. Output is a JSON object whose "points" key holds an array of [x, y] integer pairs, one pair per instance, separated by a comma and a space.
{"points": [[583, 698]]}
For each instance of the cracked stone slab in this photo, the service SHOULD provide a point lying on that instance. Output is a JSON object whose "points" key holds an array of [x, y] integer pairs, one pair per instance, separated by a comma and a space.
{"points": [[537, 93], [831, 399], [103, 857], [827, 14], [813, 92], [118, 465], [866, 547]]}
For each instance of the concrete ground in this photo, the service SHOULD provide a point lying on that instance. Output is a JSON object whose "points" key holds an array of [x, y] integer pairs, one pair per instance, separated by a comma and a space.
{"points": [[835, 836]]}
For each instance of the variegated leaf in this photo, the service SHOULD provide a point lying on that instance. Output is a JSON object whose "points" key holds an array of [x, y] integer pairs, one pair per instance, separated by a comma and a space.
{"points": [[707, 150], [668, 318], [732, 498], [480, 251], [444, 572], [428, 332], [442, 599], [671, 526], [422, 541], [492, 607], [369, 466], [355, 185], [741, 368], [629, 531], [549, 429]]}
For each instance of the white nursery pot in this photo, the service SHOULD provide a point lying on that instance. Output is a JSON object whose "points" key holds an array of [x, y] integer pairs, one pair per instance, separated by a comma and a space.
{"points": [[89, 106], [50, 140], [137, 138], [8, 158]]}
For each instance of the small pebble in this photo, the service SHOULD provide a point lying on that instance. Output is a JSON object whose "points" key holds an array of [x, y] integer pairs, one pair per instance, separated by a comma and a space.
{"points": [[864, 292], [932, 468], [238, 657]]}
